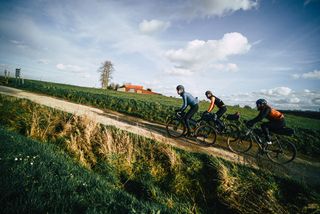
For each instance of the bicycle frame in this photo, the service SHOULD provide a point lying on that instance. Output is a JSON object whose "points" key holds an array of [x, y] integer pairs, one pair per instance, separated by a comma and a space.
{"points": [[195, 123], [256, 138]]}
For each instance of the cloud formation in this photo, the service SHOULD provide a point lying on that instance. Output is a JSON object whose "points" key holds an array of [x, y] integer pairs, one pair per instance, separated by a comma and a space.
{"points": [[278, 91], [199, 55], [280, 98], [179, 71], [207, 8], [309, 75], [153, 26]]}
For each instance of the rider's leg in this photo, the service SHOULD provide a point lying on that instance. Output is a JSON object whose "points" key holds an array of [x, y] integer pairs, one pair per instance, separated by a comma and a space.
{"points": [[219, 113], [189, 115], [265, 130], [276, 125]]}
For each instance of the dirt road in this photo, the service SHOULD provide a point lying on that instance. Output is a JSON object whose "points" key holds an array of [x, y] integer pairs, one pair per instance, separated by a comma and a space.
{"points": [[299, 169]]}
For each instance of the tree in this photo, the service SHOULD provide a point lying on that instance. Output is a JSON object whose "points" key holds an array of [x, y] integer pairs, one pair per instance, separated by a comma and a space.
{"points": [[105, 71]]}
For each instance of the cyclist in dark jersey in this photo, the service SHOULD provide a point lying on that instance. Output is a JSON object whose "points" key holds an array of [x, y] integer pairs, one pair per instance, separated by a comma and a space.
{"points": [[276, 119], [215, 101], [188, 100]]}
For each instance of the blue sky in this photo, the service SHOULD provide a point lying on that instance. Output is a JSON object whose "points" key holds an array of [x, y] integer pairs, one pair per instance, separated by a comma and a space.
{"points": [[242, 50]]}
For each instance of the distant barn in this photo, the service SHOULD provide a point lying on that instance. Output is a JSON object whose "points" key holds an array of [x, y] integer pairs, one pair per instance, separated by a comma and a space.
{"points": [[135, 89]]}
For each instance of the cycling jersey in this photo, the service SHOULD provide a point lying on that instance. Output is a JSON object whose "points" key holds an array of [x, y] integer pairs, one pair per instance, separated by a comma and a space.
{"points": [[269, 113], [215, 101], [188, 100], [275, 115]]}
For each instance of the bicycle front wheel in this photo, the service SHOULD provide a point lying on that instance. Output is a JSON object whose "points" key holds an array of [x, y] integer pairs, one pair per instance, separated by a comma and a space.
{"points": [[206, 135], [175, 127], [243, 144], [281, 153]]}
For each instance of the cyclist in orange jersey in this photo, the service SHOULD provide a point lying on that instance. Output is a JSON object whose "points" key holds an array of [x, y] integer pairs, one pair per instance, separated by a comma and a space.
{"points": [[276, 119]]}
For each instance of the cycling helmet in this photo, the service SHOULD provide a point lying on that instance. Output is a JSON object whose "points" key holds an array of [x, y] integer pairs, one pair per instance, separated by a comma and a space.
{"points": [[261, 103], [208, 94], [180, 89]]}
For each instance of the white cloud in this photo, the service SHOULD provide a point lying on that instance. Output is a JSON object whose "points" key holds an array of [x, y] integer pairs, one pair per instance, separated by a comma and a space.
{"points": [[294, 100], [229, 67], [19, 44], [282, 91], [153, 26], [309, 75], [316, 100], [232, 67], [295, 76], [201, 55], [301, 100], [16, 42], [312, 75], [61, 66], [179, 71], [207, 8]]}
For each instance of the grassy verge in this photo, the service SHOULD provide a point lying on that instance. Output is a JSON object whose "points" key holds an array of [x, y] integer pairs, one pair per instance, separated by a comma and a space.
{"points": [[40, 178], [148, 176]]}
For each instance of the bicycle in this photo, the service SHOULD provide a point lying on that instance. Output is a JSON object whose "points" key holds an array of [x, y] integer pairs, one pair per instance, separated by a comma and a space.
{"points": [[278, 152], [176, 128], [228, 129]]}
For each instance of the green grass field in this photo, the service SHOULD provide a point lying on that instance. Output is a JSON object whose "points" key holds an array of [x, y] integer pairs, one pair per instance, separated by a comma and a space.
{"points": [[157, 108], [150, 107], [79, 166]]}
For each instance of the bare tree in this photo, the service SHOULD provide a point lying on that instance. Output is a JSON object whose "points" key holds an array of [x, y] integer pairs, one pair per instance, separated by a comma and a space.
{"points": [[105, 71]]}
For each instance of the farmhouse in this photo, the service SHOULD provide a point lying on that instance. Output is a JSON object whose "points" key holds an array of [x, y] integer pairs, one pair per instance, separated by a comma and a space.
{"points": [[135, 89]]}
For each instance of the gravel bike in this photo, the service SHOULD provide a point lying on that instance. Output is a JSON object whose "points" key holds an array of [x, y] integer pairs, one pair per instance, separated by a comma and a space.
{"points": [[176, 128], [228, 130], [279, 151]]}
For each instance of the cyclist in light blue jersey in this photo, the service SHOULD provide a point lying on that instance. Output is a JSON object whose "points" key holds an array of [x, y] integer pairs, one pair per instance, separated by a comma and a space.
{"points": [[188, 100]]}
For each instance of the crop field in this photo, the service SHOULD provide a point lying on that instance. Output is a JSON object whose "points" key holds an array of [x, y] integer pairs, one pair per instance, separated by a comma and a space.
{"points": [[71, 164], [157, 108]]}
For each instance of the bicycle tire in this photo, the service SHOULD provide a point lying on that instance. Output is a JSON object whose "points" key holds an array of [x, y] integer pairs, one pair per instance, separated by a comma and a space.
{"points": [[242, 145], [287, 150], [206, 135], [175, 127], [231, 132]]}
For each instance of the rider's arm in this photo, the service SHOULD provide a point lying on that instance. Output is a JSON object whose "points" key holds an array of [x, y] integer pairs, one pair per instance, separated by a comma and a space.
{"points": [[211, 104], [263, 114], [184, 105]]}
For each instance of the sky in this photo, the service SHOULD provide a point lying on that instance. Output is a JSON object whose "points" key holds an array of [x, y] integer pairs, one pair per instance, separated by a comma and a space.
{"points": [[242, 50]]}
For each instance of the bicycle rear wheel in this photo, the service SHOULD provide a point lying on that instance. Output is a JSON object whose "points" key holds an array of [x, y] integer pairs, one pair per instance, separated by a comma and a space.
{"points": [[206, 135], [243, 144], [281, 153], [175, 127]]}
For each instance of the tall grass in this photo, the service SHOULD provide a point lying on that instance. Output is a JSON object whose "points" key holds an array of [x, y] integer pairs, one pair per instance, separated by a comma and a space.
{"points": [[151, 172], [40, 178]]}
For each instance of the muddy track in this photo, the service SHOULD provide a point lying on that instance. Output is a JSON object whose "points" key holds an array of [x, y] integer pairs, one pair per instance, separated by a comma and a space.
{"points": [[302, 170]]}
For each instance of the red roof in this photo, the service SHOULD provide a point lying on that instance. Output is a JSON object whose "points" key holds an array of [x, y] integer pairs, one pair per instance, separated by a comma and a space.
{"points": [[137, 89]]}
